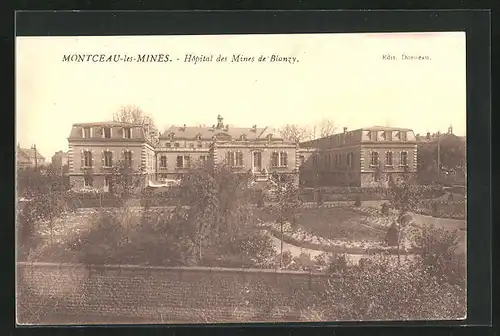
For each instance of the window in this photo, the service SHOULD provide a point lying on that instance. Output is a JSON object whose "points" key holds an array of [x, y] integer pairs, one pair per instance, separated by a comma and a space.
{"points": [[183, 161], [108, 159], [203, 158], [87, 181], [163, 161], [176, 145], [374, 159], [127, 132], [127, 159], [243, 137], [168, 145], [191, 145], [279, 159], [403, 159], [235, 159], [87, 159], [315, 160], [388, 158], [200, 145], [87, 132], [388, 135], [373, 136], [106, 132], [350, 157], [402, 136], [198, 137], [302, 159]]}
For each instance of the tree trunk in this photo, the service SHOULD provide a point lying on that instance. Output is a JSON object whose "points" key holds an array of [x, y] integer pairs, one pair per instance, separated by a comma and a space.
{"points": [[281, 253]]}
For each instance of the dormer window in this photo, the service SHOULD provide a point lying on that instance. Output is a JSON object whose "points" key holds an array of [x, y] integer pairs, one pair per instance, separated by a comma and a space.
{"points": [[373, 136], [106, 132], [87, 132], [388, 135], [127, 133], [402, 136], [198, 137], [171, 136], [243, 137], [269, 137]]}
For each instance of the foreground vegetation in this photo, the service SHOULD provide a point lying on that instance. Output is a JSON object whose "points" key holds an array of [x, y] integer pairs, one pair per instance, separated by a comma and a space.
{"points": [[220, 229]]}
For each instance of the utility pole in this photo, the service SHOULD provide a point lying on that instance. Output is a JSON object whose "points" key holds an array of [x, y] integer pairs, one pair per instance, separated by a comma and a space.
{"points": [[439, 154], [36, 159]]}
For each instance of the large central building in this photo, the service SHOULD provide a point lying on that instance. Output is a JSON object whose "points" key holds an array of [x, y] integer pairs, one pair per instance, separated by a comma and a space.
{"points": [[257, 150], [367, 157]]}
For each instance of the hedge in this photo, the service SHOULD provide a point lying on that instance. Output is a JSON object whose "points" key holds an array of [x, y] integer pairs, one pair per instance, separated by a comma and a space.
{"points": [[443, 209]]}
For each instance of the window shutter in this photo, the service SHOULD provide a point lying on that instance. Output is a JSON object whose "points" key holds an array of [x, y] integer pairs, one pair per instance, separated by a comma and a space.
{"points": [[102, 159], [131, 159], [92, 159], [83, 158]]}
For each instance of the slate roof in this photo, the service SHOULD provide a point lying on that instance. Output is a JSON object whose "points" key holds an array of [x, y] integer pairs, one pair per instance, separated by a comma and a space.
{"points": [[207, 133], [385, 128]]}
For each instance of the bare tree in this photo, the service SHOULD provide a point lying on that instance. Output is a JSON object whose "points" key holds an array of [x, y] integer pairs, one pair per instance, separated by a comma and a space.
{"points": [[135, 115], [295, 133], [326, 127]]}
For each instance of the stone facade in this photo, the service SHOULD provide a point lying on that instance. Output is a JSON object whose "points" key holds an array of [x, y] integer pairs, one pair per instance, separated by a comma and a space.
{"points": [[260, 151], [367, 157], [95, 148]]}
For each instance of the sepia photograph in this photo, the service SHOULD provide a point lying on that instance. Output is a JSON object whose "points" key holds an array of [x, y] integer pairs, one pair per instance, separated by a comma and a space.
{"points": [[204, 179]]}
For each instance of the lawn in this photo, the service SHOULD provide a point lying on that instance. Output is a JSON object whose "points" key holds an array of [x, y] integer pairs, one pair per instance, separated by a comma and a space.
{"points": [[339, 223]]}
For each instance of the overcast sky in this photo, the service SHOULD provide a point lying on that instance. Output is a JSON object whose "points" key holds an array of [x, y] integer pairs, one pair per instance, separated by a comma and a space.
{"points": [[342, 77]]}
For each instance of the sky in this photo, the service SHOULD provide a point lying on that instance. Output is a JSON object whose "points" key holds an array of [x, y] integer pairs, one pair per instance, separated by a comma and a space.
{"points": [[340, 77]]}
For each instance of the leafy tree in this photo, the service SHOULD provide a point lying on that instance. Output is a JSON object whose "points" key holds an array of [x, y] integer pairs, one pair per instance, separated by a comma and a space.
{"points": [[124, 181], [287, 204], [46, 196], [438, 255], [452, 152], [220, 210]]}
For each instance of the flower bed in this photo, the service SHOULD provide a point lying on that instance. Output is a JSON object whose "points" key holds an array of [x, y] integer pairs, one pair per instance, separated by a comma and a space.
{"points": [[443, 209], [301, 238], [366, 193]]}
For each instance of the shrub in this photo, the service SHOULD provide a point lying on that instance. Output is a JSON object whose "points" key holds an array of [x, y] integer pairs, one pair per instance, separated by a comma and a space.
{"points": [[438, 254], [392, 235], [357, 201], [337, 263], [384, 291], [385, 208]]}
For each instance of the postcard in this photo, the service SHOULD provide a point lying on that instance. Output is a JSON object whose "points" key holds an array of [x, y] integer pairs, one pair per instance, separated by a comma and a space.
{"points": [[241, 178]]}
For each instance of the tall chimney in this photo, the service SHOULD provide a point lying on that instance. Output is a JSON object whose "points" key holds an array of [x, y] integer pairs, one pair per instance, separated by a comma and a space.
{"points": [[345, 130]]}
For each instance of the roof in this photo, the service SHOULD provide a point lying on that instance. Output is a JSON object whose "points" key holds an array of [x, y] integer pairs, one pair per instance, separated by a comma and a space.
{"points": [[385, 128], [105, 123], [30, 153], [207, 133]]}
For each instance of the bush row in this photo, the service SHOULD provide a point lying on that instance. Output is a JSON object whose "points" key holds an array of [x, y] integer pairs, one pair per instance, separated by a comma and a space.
{"points": [[443, 209]]}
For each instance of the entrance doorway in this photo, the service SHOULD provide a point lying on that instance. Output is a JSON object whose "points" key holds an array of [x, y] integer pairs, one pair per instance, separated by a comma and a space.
{"points": [[257, 161]]}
